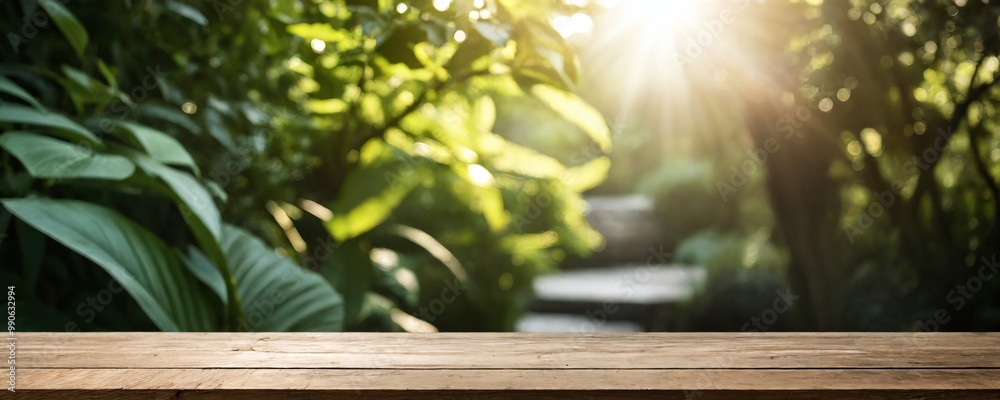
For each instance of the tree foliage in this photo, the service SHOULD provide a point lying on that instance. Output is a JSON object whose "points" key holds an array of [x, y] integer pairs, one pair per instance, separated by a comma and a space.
{"points": [[872, 163]]}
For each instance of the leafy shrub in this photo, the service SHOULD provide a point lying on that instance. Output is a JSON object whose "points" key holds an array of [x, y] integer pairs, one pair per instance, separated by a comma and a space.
{"points": [[355, 137]]}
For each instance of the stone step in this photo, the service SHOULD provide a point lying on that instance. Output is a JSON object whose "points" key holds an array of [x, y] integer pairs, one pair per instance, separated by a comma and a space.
{"points": [[633, 293], [535, 322], [630, 228]]}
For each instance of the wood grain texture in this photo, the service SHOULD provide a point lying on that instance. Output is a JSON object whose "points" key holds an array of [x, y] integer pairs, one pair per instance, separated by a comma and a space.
{"points": [[523, 379], [505, 395], [507, 365], [510, 350]]}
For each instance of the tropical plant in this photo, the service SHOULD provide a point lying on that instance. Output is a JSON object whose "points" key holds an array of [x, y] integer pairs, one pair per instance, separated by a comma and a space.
{"points": [[195, 282], [353, 136]]}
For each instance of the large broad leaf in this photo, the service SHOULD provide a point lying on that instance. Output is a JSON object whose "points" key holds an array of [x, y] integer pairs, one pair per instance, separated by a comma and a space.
{"points": [[160, 146], [279, 296], [368, 196], [45, 157], [68, 24], [205, 271], [148, 270], [193, 198], [11, 88], [199, 211], [576, 111], [349, 269], [18, 114]]}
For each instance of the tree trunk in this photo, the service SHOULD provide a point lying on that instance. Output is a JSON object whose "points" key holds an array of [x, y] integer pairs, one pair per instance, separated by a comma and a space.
{"points": [[804, 198]]}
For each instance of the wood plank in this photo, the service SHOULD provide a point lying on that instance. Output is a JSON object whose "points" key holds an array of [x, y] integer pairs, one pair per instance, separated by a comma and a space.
{"points": [[504, 365], [528, 380], [507, 395], [510, 350]]}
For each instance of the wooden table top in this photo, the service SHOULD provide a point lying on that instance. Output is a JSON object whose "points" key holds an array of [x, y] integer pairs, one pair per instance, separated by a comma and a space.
{"points": [[508, 365]]}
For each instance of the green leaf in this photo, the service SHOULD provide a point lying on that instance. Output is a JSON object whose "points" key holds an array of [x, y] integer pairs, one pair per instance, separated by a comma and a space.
{"points": [[160, 146], [349, 269], [85, 88], [193, 198], [217, 128], [525, 161], [279, 296], [68, 24], [18, 114], [484, 114], [437, 33], [493, 31], [489, 201], [527, 76], [575, 110], [11, 88], [587, 176], [205, 271], [367, 198], [432, 246], [148, 270], [188, 12], [216, 190], [109, 75], [199, 211], [474, 48], [482, 195], [46, 157], [341, 38], [394, 277], [547, 44], [328, 106]]}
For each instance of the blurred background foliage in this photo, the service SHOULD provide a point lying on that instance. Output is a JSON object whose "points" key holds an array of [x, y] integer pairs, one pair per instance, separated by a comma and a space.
{"points": [[849, 150], [355, 137], [422, 161]]}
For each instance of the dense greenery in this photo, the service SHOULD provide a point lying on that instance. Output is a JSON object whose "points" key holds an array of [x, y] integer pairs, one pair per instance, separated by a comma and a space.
{"points": [[355, 137]]}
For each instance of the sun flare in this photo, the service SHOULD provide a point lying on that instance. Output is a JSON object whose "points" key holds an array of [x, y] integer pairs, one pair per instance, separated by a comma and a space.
{"points": [[664, 16], [638, 45]]}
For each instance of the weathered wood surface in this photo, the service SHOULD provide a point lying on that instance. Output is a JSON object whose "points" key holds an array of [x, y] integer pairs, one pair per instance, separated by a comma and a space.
{"points": [[508, 365]]}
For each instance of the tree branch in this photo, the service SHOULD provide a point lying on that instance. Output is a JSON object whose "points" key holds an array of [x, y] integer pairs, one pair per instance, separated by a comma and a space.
{"points": [[910, 232], [959, 114]]}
